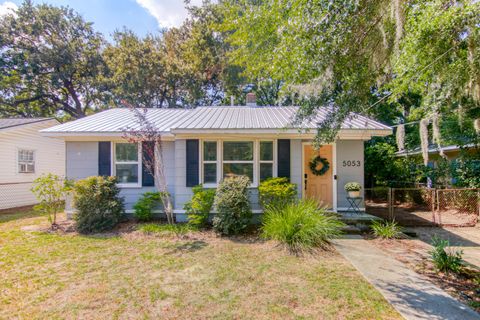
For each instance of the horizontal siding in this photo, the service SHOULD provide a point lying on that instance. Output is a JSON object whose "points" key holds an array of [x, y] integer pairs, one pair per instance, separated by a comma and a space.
{"points": [[348, 150], [49, 158], [82, 162]]}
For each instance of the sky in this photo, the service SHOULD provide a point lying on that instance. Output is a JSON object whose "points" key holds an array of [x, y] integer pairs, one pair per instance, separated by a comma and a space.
{"points": [[141, 16]]}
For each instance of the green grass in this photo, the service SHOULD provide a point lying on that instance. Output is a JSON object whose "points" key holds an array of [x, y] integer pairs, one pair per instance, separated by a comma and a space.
{"points": [[178, 229], [139, 276]]}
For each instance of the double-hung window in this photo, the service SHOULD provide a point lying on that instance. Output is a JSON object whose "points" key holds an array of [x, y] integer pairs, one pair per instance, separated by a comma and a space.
{"points": [[127, 164], [266, 160], [26, 161], [238, 159], [210, 162]]}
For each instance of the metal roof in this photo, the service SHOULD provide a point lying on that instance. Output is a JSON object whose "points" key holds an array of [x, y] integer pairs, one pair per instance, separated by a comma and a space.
{"points": [[264, 118], [14, 122], [121, 119], [206, 118]]}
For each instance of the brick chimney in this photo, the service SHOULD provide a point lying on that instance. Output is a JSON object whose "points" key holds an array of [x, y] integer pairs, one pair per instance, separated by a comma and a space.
{"points": [[251, 99]]}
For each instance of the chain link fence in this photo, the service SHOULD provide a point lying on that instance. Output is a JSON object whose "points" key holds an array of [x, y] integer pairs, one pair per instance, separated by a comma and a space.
{"points": [[16, 194], [415, 207]]}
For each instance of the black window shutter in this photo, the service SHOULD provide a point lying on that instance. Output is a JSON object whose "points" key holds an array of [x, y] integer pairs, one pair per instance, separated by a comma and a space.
{"points": [[148, 159], [104, 158], [192, 162], [283, 149]]}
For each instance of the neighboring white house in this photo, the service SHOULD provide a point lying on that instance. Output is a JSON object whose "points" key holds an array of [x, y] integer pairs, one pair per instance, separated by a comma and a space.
{"points": [[205, 144], [24, 156]]}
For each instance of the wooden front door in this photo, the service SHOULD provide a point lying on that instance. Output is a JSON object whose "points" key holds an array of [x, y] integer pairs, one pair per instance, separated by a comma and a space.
{"points": [[317, 187]]}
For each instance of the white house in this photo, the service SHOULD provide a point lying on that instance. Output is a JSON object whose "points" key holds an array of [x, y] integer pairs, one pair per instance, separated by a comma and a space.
{"points": [[204, 144], [24, 156]]}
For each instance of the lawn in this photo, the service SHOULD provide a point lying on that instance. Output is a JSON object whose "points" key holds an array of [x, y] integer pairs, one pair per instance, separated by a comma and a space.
{"points": [[133, 275]]}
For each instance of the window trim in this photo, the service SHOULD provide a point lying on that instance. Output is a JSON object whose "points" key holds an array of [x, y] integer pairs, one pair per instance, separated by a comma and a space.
{"points": [[274, 157], [256, 160], [139, 183], [34, 153], [202, 162]]}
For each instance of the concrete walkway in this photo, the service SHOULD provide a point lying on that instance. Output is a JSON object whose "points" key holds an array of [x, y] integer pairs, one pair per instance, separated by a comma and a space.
{"points": [[413, 296]]}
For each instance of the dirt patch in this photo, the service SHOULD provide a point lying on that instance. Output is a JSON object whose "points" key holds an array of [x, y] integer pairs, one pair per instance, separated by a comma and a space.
{"points": [[464, 286]]}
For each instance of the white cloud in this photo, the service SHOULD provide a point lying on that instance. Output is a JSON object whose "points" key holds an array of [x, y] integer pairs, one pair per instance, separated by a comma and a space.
{"points": [[7, 7], [168, 13]]}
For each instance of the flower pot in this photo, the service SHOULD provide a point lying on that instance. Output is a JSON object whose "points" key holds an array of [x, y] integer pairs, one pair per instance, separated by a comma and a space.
{"points": [[354, 194]]}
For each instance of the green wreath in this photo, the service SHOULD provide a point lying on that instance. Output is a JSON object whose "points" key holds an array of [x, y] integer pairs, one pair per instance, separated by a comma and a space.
{"points": [[314, 164]]}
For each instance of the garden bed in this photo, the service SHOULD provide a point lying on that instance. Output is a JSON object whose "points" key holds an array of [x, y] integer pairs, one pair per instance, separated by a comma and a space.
{"points": [[414, 253]]}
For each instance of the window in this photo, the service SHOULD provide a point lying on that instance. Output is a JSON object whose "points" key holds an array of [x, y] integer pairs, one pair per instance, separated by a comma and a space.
{"points": [[26, 161], [266, 160], [210, 162], [238, 158], [127, 164]]}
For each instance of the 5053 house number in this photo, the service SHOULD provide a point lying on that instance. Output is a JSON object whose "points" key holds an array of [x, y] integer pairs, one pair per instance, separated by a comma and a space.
{"points": [[351, 163]]}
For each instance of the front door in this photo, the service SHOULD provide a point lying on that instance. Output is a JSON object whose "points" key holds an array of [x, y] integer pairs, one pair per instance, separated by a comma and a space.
{"points": [[318, 186]]}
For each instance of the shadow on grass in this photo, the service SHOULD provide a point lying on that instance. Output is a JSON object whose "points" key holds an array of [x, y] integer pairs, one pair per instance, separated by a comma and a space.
{"points": [[11, 215], [188, 247]]}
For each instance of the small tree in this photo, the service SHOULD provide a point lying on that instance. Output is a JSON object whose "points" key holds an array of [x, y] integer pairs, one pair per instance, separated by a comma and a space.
{"points": [[152, 154], [50, 190]]}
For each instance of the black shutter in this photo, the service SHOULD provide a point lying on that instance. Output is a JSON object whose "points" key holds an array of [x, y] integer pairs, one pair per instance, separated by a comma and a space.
{"points": [[104, 158], [148, 159], [192, 162], [283, 149]]}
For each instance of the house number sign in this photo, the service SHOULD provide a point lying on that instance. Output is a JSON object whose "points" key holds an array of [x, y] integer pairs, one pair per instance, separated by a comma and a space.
{"points": [[351, 163]]}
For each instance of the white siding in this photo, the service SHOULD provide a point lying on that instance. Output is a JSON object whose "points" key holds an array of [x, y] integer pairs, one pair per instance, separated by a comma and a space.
{"points": [[49, 158]]}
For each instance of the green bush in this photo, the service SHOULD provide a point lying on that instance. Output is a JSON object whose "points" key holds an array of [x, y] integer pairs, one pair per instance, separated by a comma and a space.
{"points": [[300, 226], [98, 204], [144, 206], [199, 207], [50, 190], [277, 191], [443, 259], [386, 229], [233, 206]]}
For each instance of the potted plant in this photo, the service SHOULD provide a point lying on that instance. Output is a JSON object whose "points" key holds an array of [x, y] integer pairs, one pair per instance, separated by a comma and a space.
{"points": [[353, 189]]}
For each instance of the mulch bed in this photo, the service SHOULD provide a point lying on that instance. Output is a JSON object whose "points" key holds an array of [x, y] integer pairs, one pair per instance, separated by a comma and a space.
{"points": [[464, 286]]}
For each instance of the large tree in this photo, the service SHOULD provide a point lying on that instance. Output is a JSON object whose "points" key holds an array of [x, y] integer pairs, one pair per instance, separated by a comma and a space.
{"points": [[50, 61], [355, 55]]}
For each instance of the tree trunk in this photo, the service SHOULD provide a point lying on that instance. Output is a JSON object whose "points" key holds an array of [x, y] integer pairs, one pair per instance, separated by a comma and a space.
{"points": [[161, 182]]}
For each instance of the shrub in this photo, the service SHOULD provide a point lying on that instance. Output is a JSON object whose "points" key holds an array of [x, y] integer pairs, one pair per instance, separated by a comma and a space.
{"points": [[144, 206], [386, 229], [233, 206], [50, 190], [352, 186], [277, 191], [300, 226], [98, 204], [443, 259], [199, 207]]}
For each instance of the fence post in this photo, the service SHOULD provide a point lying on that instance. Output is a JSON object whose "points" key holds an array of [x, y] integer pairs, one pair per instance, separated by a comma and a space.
{"points": [[390, 203]]}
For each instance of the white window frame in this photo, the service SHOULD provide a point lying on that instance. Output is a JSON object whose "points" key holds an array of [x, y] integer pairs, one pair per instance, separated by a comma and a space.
{"points": [[137, 184], [217, 161], [273, 162], [256, 160], [26, 162]]}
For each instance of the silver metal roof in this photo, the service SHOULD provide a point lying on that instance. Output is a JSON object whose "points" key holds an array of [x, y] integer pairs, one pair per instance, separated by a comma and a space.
{"points": [[264, 118], [206, 118], [121, 119], [14, 122]]}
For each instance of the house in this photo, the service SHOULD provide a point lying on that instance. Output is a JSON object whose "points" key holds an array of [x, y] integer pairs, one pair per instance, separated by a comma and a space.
{"points": [[24, 156], [204, 144], [451, 152]]}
